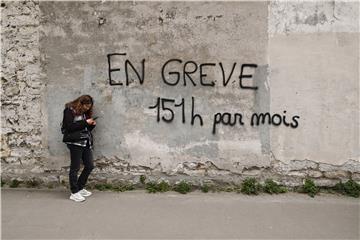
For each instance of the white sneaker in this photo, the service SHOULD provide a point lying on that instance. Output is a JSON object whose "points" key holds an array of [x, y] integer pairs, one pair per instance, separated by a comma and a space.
{"points": [[77, 197], [84, 192]]}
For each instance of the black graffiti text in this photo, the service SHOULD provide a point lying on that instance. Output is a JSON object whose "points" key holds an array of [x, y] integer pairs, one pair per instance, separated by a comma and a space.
{"points": [[275, 119], [164, 110], [227, 119], [127, 65], [174, 71]]}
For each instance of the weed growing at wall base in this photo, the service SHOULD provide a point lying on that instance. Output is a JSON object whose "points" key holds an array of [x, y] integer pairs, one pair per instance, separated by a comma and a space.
{"points": [[250, 186], [183, 187], [123, 187], [103, 186], [310, 188], [205, 188], [114, 187], [272, 187], [153, 187], [350, 188], [15, 183]]}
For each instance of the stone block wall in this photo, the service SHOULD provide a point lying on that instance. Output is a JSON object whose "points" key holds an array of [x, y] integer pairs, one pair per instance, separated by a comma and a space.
{"points": [[307, 57]]}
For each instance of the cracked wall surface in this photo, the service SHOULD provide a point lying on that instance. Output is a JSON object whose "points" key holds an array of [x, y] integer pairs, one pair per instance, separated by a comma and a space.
{"points": [[307, 55]]}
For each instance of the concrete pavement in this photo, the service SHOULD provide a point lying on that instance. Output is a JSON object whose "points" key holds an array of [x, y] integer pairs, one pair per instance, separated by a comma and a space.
{"points": [[49, 214]]}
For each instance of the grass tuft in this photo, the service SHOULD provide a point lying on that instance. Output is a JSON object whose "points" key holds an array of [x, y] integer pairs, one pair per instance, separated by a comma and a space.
{"points": [[205, 188], [153, 187], [15, 183], [250, 186], [350, 188], [272, 187], [310, 188], [183, 187]]}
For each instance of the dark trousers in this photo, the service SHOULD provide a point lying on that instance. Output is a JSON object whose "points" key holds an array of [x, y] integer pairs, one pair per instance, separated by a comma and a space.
{"points": [[76, 154]]}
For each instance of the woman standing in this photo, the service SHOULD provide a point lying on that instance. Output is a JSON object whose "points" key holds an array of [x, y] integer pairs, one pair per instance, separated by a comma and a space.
{"points": [[77, 126]]}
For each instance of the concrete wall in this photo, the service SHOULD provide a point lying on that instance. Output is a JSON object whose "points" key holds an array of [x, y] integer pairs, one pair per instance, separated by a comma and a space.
{"points": [[307, 57]]}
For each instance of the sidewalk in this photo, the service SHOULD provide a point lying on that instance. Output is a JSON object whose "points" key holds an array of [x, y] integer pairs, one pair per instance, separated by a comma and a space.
{"points": [[49, 214]]}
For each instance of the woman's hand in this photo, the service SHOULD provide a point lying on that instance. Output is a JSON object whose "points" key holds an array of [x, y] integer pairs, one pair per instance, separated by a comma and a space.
{"points": [[91, 121]]}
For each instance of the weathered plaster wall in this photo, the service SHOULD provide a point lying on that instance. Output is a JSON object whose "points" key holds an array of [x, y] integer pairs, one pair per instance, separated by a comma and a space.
{"points": [[22, 88], [314, 59], [314, 67], [307, 56]]}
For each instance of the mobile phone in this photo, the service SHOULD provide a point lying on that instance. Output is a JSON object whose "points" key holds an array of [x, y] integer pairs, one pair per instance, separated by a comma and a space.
{"points": [[95, 117]]}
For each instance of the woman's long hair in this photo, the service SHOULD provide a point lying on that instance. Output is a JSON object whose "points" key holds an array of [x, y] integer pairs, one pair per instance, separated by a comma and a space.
{"points": [[77, 105]]}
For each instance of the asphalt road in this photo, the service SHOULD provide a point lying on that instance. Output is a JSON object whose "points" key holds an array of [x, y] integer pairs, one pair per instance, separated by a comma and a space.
{"points": [[49, 214]]}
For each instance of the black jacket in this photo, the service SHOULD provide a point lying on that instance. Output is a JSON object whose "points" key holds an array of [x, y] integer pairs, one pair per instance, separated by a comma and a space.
{"points": [[72, 124]]}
